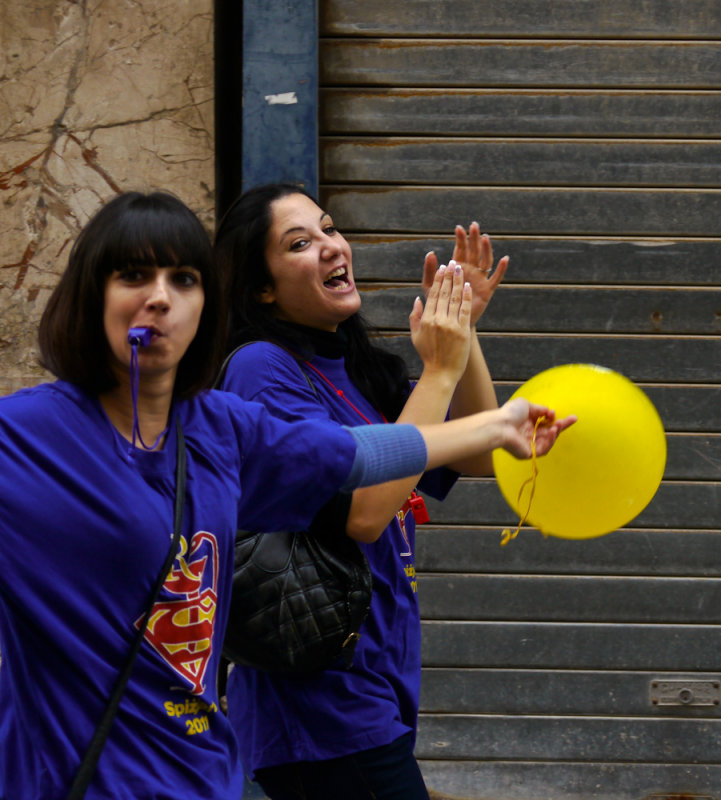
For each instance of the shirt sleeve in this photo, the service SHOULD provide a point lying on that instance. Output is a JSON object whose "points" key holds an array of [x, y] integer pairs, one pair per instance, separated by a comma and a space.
{"points": [[386, 453], [265, 373], [288, 470]]}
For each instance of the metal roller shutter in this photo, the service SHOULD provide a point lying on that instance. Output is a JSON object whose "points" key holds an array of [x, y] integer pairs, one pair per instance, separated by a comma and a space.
{"points": [[585, 138]]}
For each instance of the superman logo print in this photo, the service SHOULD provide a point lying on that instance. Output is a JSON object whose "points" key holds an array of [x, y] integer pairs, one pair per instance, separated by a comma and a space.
{"points": [[180, 629]]}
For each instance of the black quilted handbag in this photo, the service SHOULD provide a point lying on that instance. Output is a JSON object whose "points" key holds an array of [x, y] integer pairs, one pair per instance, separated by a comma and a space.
{"points": [[298, 601]]}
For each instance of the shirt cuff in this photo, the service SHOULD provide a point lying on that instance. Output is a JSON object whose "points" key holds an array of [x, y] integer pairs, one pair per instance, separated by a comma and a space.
{"points": [[385, 453]]}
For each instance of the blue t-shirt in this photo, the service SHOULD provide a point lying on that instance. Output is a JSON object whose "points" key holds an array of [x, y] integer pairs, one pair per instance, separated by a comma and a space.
{"points": [[85, 523], [281, 719]]}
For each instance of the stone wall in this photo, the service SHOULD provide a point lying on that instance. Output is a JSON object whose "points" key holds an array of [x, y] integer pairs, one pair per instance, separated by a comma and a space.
{"points": [[95, 98]]}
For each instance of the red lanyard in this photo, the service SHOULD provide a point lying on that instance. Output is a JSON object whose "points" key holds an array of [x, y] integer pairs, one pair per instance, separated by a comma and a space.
{"points": [[415, 502], [341, 393]]}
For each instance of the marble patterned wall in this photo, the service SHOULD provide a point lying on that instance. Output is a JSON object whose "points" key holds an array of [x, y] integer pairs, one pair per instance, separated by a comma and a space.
{"points": [[96, 97]]}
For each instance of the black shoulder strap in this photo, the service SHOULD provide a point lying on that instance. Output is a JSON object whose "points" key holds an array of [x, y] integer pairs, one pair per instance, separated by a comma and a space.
{"points": [[221, 375], [90, 761]]}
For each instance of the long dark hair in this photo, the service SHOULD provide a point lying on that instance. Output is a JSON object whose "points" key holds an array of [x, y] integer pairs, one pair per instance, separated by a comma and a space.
{"points": [[132, 229], [240, 242]]}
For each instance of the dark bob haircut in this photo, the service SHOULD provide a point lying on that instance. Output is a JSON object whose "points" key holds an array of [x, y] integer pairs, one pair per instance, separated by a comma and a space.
{"points": [[133, 229]]}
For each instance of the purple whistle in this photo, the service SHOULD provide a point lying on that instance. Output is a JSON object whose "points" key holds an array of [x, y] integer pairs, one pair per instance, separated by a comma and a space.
{"points": [[140, 336]]}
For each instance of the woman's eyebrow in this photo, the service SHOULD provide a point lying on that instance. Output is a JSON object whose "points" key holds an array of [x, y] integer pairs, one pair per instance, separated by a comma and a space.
{"points": [[296, 229], [301, 228]]}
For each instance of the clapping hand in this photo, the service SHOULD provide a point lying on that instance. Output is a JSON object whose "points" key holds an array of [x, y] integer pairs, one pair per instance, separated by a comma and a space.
{"points": [[473, 251], [440, 329]]}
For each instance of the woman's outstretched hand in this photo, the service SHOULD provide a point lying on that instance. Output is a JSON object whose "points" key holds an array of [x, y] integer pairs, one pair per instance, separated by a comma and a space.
{"points": [[440, 330], [519, 418], [473, 251]]}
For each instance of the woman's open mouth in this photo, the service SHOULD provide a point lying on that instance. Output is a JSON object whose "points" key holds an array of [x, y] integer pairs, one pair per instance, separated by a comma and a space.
{"points": [[338, 279]]}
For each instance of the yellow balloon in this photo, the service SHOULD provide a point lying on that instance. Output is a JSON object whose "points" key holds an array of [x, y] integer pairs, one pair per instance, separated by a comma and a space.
{"points": [[604, 470]]}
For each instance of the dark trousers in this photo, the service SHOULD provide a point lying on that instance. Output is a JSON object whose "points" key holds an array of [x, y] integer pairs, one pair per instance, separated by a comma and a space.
{"points": [[389, 772]]}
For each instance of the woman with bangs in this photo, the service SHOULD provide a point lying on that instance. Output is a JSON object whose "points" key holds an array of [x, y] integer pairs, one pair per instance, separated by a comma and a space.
{"points": [[90, 479]]}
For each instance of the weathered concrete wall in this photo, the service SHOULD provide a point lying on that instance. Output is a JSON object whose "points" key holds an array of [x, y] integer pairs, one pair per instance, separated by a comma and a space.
{"points": [[96, 97]]}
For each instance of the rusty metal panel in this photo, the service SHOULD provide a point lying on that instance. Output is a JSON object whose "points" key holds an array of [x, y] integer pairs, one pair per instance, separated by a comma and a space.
{"points": [[632, 551], [678, 19], [676, 506], [569, 309], [566, 780], [643, 359], [569, 598], [487, 63], [561, 693], [559, 111], [544, 260], [565, 645], [511, 161], [527, 210], [619, 740]]}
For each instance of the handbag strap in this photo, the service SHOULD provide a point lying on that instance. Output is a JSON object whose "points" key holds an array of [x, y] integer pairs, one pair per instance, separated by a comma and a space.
{"points": [[90, 761], [224, 368]]}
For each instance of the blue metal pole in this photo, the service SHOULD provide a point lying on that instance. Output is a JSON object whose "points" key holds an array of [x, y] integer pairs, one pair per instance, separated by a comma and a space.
{"points": [[280, 93]]}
